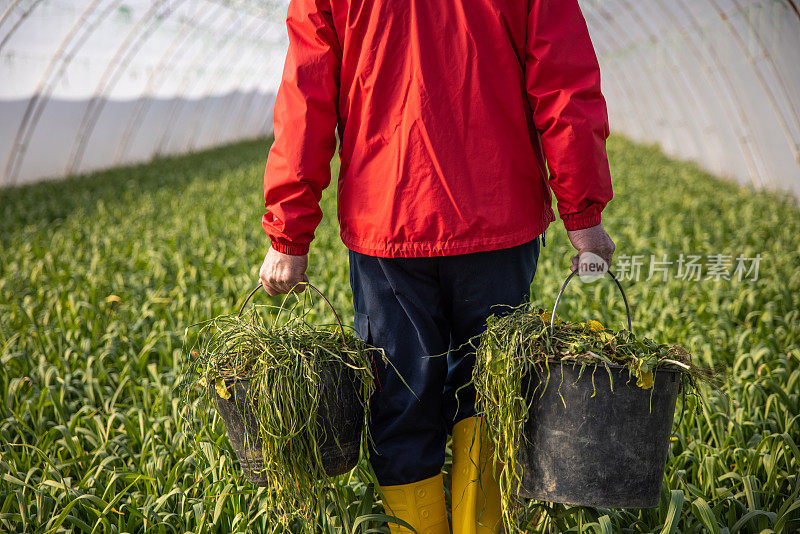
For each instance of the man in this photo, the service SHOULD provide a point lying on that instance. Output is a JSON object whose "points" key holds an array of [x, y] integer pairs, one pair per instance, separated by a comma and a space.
{"points": [[447, 111]]}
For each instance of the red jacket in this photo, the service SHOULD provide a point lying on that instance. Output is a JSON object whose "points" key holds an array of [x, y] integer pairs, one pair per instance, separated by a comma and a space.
{"points": [[443, 109]]}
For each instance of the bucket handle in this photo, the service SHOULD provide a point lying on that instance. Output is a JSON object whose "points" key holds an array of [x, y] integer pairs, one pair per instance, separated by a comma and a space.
{"points": [[309, 285], [564, 286]]}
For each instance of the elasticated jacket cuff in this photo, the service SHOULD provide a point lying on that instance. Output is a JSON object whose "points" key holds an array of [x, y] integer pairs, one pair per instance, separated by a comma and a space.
{"points": [[289, 248], [587, 218]]}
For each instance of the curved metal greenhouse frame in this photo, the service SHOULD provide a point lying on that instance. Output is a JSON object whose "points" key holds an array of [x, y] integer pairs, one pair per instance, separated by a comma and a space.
{"points": [[89, 84], [712, 81], [98, 83]]}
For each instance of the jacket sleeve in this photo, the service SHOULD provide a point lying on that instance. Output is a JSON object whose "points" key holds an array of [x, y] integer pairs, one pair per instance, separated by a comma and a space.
{"points": [[298, 166], [569, 111]]}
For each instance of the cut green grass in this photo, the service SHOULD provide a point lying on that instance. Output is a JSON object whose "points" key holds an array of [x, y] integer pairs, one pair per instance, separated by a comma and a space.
{"points": [[306, 396], [521, 344], [93, 436]]}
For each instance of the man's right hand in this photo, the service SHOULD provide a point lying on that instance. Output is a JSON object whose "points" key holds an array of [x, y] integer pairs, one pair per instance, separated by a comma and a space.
{"points": [[280, 273]]}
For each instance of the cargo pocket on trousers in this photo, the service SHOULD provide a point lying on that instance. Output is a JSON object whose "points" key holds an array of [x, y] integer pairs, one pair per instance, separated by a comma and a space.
{"points": [[362, 327]]}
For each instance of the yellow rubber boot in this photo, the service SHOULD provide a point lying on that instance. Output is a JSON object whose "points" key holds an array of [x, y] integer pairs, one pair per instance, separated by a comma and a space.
{"points": [[420, 504], [476, 490]]}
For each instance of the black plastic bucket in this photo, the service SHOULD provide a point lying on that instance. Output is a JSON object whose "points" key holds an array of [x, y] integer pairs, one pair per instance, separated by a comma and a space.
{"points": [[588, 445], [340, 418]]}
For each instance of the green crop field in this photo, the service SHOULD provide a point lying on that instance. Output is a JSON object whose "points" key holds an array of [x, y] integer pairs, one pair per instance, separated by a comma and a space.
{"points": [[101, 275]]}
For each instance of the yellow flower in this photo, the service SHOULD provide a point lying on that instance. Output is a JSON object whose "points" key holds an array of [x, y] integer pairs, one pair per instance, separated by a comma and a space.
{"points": [[546, 316], [222, 389], [594, 326], [645, 380]]}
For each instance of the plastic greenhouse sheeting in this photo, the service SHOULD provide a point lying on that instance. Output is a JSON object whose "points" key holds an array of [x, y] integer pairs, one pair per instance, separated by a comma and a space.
{"points": [[712, 81], [88, 84]]}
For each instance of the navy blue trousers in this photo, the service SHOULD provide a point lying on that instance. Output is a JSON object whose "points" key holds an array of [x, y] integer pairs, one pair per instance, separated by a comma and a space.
{"points": [[422, 312]]}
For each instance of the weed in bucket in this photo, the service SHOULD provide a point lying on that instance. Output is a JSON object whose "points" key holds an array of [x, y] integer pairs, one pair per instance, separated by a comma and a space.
{"points": [[294, 398], [577, 413]]}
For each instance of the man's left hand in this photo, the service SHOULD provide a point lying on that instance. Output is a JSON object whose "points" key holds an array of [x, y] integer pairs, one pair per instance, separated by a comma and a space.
{"points": [[593, 239]]}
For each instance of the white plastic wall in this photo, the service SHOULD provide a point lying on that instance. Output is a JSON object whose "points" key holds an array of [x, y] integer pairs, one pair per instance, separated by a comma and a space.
{"points": [[713, 81], [87, 84]]}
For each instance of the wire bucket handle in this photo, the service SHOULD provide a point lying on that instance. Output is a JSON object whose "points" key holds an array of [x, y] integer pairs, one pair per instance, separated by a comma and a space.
{"points": [[308, 285], [564, 286]]}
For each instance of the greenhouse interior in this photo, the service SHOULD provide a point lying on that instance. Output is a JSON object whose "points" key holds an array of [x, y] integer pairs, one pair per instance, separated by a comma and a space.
{"points": [[159, 373]]}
